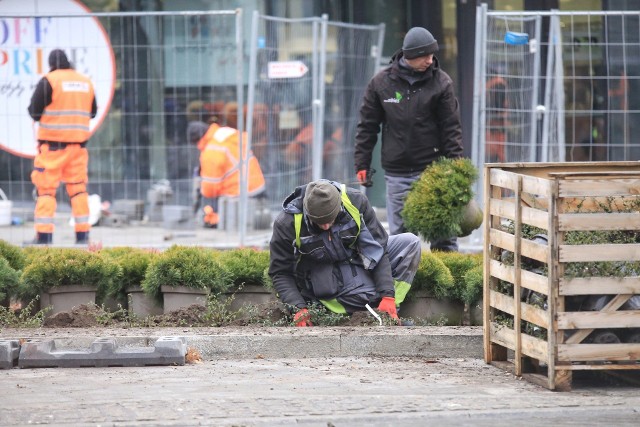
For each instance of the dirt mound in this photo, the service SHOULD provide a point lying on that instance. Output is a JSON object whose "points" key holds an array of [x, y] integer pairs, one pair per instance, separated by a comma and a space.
{"points": [[82, 316], [193, 315]]}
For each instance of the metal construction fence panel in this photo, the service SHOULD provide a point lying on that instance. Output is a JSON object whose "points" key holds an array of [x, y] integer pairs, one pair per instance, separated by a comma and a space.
{"points": [[305, 87], [161, 79], [556, 86]]}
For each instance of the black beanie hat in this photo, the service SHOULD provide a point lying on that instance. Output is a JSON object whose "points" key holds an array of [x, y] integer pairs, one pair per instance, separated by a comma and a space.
{"points": [[322, 202], [418, 42], [58, 60]]}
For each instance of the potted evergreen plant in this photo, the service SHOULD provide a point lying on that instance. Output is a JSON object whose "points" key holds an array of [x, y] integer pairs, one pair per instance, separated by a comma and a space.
{"points": [[430, 298], [64, 278], [465, 290], [184, 275], [245, 274], [128, 291]]}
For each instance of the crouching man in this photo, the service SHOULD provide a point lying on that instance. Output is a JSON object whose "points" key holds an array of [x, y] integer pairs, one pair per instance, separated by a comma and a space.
{"points": [[329, 247]]}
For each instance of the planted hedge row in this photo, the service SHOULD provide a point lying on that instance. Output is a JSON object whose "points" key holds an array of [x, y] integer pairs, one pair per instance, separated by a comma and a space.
{"points": [[26, 273]]}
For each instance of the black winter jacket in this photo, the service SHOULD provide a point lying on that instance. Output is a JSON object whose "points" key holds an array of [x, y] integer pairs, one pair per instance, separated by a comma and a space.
{"points": [[287, 274], [420, 121]]}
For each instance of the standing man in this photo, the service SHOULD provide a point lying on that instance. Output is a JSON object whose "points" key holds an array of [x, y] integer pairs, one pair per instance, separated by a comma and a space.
{"points": [[328, 247], [64, 103], [414, 101]]}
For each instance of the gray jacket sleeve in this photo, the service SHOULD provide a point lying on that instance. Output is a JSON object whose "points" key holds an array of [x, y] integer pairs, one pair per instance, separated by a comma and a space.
{"points": [[382, 272], [282, 262]]}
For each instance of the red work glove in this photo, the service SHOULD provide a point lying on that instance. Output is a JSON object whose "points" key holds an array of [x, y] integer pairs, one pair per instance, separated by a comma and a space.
{"points": [[388, 305], [362, 176], [302, 318]]}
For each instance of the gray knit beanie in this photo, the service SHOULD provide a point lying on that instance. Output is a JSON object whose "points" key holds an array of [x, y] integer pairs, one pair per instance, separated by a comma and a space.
{"points": [[418, 42], [322, 202]]}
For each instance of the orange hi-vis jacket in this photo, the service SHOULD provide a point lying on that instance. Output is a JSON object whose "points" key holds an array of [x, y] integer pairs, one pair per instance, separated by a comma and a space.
{"points": [[67, 118], [220, 164]]}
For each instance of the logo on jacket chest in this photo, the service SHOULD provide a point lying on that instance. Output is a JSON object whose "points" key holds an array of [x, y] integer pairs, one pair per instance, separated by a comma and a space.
{"points": [[395, 100]]}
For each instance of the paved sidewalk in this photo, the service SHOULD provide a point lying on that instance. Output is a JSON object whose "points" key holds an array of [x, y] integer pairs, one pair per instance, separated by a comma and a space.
{"points": [[349, 376]]}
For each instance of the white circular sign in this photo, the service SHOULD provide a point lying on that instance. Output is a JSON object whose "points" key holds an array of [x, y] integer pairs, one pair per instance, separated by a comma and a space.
{"points": [[29, 31]]}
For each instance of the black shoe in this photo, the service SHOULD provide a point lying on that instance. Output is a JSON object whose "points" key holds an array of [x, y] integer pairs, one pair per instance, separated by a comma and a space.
{"points": [[43, 239], [82, 237]]}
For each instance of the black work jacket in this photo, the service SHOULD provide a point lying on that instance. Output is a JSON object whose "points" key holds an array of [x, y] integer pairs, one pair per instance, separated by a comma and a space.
{"points": [[420, 120]]}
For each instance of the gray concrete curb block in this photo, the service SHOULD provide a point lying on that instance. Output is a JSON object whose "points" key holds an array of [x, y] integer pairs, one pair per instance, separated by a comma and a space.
{"points": [[102, 352], [9, 351], [251, 346]]}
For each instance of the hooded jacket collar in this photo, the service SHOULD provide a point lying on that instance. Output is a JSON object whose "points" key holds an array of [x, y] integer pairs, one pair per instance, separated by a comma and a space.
{"points": [[406, 73]]}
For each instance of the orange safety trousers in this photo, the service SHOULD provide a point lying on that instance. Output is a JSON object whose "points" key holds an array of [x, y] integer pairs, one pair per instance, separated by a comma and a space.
{"points": [[69, 165]]}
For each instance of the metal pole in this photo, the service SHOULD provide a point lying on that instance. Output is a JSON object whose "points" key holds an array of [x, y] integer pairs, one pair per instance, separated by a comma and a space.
{"points": [[318, 103], [244, 158], [533, 141]]}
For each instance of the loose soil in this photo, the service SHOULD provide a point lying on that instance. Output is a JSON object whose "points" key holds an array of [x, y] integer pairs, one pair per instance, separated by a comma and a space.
{"points": [[91, 315]]}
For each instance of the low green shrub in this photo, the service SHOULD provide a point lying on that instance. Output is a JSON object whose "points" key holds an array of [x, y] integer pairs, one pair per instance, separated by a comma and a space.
{"points": [[473, 280], [435, 205], [9, 281], [13, 254], [432, 277], [134, 263], [459, 264], [193, 267], [245, 266], [50, 267]]}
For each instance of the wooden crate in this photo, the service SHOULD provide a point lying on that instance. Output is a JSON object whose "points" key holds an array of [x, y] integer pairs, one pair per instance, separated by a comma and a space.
{"points": [[565, 200]]}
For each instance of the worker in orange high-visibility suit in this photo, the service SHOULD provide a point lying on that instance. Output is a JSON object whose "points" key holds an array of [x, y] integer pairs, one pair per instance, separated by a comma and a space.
{"points": [[64, 103], [220, 169]]}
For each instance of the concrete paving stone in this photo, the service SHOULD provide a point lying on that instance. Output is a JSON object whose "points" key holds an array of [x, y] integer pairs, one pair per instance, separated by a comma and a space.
{"points": [[103, 352], [9, 351]]}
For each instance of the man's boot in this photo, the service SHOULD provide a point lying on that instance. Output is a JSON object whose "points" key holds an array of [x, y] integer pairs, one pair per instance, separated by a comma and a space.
{"points": [[44, 238], [82, 237]]}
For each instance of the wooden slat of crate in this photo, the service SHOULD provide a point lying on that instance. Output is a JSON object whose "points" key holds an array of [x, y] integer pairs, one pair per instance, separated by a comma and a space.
{"points": [[598, 319], [599, 221], [531, 346], [600, 366], [509, 180], [506, 208], [599, 187], [603, 252], [548, 170], [613, 305], [529, 313], [598, 352], [529, 248], [577, 204], [599, 286], [530, 280], [502, 239]]}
